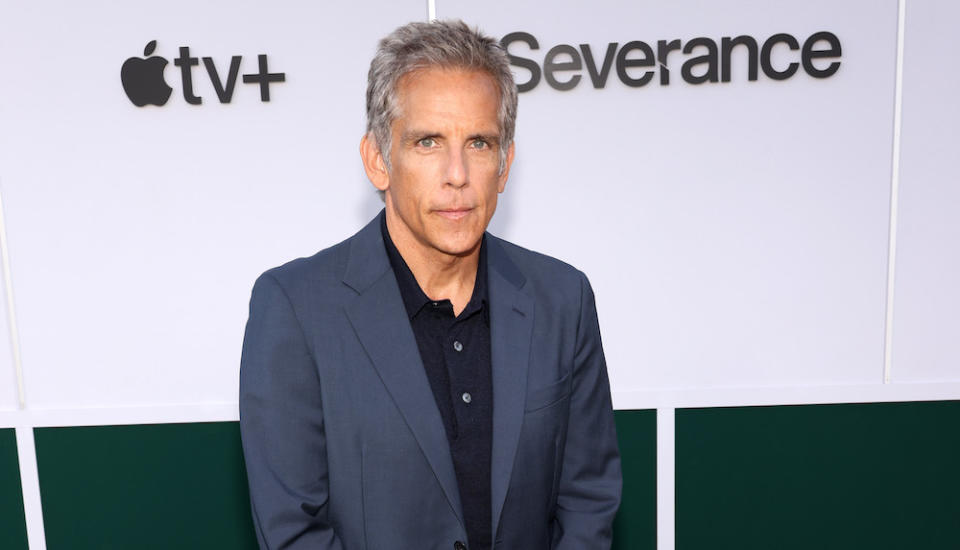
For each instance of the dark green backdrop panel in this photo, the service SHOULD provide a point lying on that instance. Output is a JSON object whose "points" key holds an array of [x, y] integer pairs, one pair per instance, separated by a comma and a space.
{"points": [[636, 525], [158, 486], [877, 476], [183, 486], [13, 526]]}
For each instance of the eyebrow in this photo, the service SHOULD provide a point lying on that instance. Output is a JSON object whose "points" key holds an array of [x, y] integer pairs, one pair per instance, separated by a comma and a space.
{"points": [[493, 139], [414, 136]]}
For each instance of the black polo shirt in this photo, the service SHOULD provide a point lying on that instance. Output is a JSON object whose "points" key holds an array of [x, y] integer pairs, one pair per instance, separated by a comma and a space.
{"points": [[455, 351]]}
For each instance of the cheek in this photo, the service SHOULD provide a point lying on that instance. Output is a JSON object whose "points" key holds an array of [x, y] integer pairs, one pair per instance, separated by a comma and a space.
{"points": [[420, 175], [407, 182], [485, 173]]}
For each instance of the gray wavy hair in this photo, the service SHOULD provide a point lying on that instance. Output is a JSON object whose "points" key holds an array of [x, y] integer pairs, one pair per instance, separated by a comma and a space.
{"points": [[443, 44]]}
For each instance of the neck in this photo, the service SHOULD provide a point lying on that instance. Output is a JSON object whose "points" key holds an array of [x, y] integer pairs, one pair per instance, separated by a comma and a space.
{"points": [[441, 276]]}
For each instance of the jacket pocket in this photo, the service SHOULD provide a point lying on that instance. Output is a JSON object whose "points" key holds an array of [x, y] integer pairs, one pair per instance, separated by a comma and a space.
{"points": [[542, 397]]}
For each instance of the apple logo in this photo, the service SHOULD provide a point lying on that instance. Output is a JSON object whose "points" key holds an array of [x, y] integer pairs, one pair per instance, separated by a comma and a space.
{"points": [[143, 78]]}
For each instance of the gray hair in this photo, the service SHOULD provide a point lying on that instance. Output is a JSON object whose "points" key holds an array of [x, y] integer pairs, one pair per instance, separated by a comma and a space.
{"points": [[442, 44]]}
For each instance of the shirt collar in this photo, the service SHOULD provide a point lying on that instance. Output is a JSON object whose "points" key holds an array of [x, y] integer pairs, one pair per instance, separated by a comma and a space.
{"points": [[414, 299]]}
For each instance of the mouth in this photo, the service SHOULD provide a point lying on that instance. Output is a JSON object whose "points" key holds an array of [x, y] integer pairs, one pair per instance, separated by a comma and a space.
{"points": [[453, 213]]}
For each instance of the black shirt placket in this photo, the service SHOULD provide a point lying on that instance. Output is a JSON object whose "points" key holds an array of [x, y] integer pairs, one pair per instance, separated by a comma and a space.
{"points": [[455, 351]]}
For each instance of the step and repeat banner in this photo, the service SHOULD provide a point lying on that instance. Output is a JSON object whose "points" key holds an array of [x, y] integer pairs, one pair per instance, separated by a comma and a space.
{"points": [[8, 374], [721, 172], [926, 325], [154, 162]]}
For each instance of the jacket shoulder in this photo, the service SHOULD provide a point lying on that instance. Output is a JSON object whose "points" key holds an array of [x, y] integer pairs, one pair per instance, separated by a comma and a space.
{"points": [[326, 265], [540, 269]]}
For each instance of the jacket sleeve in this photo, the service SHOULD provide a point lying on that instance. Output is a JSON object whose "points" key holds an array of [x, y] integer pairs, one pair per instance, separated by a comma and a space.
{"points": [[281, 426], [590, 479]]}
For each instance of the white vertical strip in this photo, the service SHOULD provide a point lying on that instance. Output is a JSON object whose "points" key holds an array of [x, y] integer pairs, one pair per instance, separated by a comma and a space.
{"points": [[431, 10], [30, 482], [666, 499], [11, 311], [894, 195]]}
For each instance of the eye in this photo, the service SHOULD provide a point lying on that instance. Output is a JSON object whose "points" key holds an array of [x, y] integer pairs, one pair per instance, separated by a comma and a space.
{"points": [[427, 142], [479, 144]]}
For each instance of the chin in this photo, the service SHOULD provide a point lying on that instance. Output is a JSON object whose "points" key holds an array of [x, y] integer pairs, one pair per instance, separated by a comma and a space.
{"points": [[460, 246]]}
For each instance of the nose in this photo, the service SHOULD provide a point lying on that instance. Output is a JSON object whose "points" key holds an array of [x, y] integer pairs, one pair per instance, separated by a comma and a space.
{"points": [[457, 174]]}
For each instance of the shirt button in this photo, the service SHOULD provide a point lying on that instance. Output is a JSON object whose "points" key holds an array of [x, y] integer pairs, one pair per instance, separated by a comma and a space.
{"points": [[457, 345], [466, 397], [459, 546]]}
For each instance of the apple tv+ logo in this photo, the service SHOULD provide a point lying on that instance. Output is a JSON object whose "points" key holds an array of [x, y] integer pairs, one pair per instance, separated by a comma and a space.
{"points": [[143, 82]]}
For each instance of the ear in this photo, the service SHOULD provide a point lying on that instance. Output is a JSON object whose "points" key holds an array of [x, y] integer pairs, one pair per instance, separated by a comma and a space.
{"points": [[502, 184], [373, 162]]}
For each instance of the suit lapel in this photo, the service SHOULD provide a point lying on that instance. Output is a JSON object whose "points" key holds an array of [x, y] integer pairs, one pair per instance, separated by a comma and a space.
{"points": [[511, 328], [380, 321]]}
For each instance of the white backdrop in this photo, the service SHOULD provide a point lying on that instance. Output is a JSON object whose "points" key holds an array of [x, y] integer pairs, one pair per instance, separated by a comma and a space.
{"points": [[927, 326], [8, 380], [136, 233], [736, 233]]}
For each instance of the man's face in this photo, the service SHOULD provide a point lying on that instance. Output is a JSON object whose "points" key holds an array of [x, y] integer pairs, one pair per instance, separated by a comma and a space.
{"points": [[441, 190]]}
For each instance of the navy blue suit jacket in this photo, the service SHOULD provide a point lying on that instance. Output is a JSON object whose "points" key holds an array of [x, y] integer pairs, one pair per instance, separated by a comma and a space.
{"points": [[345, 447]]}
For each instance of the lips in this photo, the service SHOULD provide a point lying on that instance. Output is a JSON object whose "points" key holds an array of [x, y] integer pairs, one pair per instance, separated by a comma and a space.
{"points": [[453, 213]]}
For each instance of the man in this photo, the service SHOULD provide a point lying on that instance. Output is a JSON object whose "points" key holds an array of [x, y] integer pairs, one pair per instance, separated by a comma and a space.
{"points": [[423, 384]]}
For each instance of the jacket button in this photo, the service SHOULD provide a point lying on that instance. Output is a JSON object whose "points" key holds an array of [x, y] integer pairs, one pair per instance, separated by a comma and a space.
{"points": [[459, 546]]}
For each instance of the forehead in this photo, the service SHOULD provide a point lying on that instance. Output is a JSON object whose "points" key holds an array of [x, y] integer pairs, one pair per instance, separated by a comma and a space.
{"points": [[447, 92]]}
